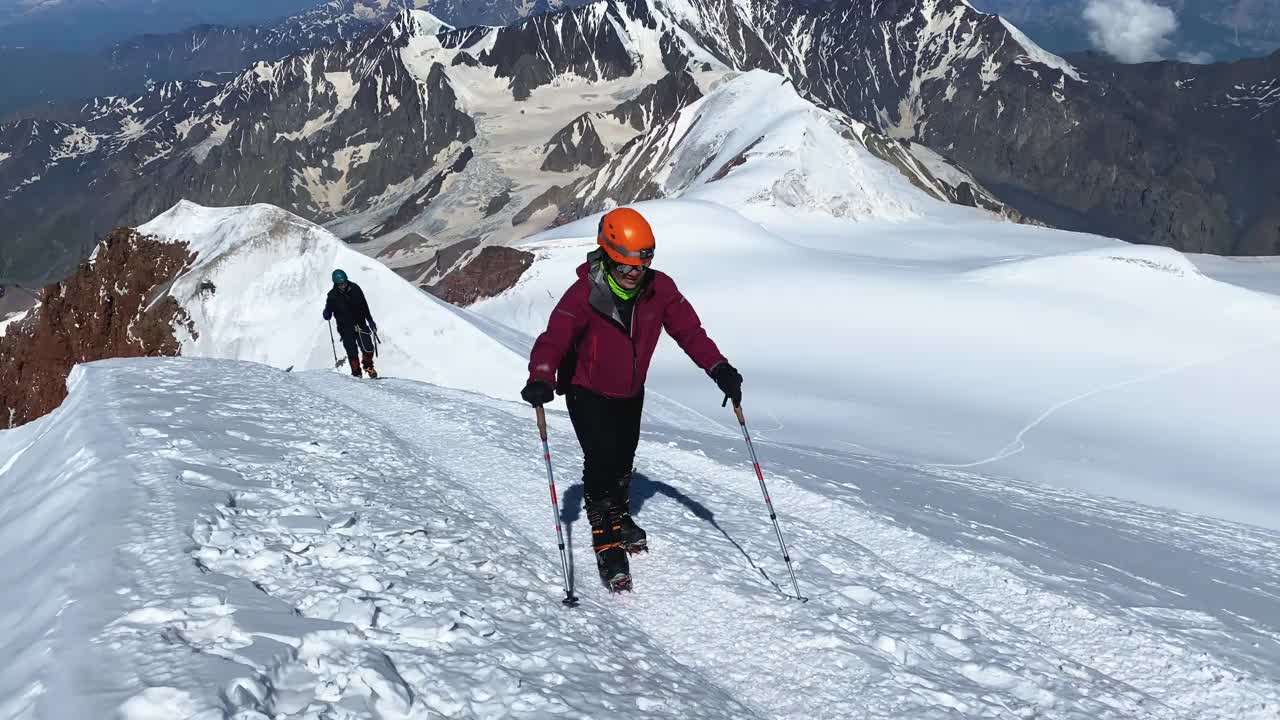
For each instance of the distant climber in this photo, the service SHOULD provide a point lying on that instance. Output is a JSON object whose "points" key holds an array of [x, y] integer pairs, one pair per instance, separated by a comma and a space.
{"points": [[347, 306], [596, 351]]}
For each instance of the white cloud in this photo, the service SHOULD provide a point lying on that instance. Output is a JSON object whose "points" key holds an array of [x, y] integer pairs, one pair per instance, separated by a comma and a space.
{"points": [[1131, 31], [1196, 58]]}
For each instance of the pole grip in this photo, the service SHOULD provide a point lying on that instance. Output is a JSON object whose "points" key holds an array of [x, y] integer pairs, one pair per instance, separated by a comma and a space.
{"points": [[736, 406], [542, 423]]}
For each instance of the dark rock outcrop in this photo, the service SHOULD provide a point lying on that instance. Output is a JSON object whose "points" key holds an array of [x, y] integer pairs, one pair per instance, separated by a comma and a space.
{"points": [[577, 145], [498, 202], [495, 270], [658, 102], [556, 196], [579, 42], [110, 307]]}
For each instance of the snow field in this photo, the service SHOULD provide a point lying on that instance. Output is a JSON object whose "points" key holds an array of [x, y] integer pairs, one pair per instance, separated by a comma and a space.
{"points": [[959, 341], [308, 545]]}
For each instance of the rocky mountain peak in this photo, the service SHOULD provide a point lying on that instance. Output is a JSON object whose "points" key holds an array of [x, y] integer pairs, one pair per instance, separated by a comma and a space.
{"points": [[111, 306]]}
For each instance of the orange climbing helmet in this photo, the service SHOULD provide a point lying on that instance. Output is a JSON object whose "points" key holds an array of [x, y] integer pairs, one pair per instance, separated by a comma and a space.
{"points": [[625, 236]]}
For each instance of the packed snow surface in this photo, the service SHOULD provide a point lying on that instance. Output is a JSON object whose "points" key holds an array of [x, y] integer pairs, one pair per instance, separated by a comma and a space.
{"points": [[964, 343], [192, 538]]}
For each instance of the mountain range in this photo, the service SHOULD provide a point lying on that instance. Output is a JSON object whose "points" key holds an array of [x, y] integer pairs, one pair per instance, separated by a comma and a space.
{"points": [[426, 142], [416, 139]]}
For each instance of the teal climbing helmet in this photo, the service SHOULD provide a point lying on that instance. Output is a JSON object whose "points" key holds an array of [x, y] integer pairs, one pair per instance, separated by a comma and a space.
{"points": [[339, 277]]}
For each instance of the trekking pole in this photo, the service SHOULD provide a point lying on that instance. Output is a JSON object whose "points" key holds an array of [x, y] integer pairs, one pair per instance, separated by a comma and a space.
{"points": [[569, 599], [332, 344], [751, 448]]}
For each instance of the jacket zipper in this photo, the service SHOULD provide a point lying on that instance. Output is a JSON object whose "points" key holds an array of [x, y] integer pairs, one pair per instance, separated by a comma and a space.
{"points": [[635, 359]]}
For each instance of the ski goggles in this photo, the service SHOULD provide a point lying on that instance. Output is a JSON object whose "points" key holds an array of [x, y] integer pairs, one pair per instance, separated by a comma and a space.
{"points": [[622, 269]]}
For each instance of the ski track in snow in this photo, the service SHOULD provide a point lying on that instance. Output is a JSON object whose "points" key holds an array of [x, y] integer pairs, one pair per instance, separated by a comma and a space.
{"points": [[1018, 443], [383, 549]]}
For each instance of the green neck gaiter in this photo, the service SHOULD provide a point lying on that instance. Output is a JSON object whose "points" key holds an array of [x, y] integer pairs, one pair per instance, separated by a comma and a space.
{"points": [[617, 289]]}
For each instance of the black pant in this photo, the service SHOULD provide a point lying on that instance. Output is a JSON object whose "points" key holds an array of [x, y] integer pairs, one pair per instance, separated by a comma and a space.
{"points": [[609, 431], [356, 340]]}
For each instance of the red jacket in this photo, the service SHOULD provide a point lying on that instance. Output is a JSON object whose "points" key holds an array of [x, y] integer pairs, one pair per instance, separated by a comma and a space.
{"points": [[609, 361]]}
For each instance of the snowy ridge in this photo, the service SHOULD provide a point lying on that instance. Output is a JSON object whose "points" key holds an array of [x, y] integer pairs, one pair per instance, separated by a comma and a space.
{"points": [[258, 284], [1037, 54], [277, 558], [720, 149], [796, 156]]}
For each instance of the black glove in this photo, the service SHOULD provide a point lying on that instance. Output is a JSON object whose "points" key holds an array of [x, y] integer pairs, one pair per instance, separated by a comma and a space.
{"points": [[729, 380], [537, 393]]}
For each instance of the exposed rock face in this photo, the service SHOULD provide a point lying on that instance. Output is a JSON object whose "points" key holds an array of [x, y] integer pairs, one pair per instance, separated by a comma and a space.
{"points": [[577, 145], [587, 42], [659, 102], [423, 274], [494, 271], [416, 203], [108, 308], [499, 201], [1214, 131], [556, 196], [490, 12]]}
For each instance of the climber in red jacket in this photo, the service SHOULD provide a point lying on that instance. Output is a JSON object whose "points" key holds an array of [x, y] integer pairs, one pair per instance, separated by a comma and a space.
{"points": [[596, 351]]}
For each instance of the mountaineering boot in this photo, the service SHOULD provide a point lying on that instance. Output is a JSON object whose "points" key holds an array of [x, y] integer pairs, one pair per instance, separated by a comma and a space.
{"points": [[368, 365], [611, 558], [355, 366], [633, 537]]}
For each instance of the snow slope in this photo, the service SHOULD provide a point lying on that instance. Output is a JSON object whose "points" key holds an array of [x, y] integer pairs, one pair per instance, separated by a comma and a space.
{"points": [[950, 339], [270, 270], [191, 538]]}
